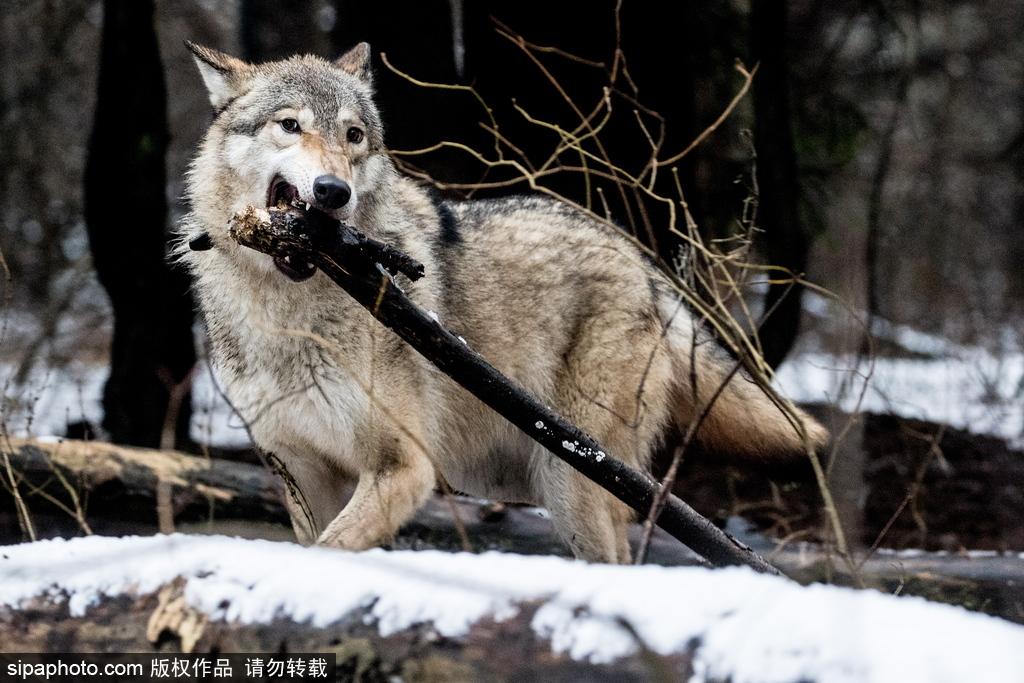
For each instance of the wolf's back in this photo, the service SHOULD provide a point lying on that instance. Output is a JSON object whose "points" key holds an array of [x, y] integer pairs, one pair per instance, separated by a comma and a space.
{"points": [[737, 415]]}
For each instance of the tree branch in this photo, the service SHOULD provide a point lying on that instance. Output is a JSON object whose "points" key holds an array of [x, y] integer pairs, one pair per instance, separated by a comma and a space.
{"points": [[348, 258]]}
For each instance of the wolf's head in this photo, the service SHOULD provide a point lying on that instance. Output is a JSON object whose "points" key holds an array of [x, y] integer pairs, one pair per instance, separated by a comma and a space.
{"points": [[299, 129]]}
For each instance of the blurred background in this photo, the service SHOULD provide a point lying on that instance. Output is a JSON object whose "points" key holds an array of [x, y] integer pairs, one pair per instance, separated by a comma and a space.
{"points": [[882, 144]]}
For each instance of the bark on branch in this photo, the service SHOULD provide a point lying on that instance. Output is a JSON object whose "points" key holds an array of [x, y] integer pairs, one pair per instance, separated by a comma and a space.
{"points": [[361, 267]]}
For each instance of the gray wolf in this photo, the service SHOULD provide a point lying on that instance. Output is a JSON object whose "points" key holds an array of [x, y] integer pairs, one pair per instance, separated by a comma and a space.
{"points": [[562, 303]]}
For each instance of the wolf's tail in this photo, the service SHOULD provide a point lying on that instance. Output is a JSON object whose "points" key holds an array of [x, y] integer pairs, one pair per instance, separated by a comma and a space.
{"points": [[743, 419]]}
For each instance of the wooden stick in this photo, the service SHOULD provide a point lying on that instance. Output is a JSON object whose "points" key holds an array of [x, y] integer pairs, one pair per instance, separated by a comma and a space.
{"points": [[348, 257]]}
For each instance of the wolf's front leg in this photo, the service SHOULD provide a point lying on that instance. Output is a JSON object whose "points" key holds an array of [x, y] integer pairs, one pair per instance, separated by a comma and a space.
{"points": [[315, 492], [388, 494]]}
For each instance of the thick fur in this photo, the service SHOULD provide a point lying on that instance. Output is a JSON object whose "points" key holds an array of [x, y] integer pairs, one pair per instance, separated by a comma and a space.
{"points": [[565, 305]]}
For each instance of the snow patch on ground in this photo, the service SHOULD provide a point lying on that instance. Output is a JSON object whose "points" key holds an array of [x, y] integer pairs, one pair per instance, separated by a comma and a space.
{"points": [[748, 627], [52, 398], [981, 394], [967, 387], [964, 386]]}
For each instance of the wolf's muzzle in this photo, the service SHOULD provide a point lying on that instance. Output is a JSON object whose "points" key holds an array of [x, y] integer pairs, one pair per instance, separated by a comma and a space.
{"points": [[331, 192]]}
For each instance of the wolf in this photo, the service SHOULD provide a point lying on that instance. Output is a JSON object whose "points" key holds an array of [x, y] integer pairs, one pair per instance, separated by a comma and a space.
{"points": [[564, 304]]}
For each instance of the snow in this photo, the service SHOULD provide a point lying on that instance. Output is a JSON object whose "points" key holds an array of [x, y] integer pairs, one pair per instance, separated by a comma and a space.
{"points": [[967, 387], [964, 386], [51, 398], [980, 394], [968, 554], [747, 627]]}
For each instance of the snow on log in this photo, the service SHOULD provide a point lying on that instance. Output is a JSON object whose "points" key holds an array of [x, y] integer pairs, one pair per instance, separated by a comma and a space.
{"points": [[487, 616]]}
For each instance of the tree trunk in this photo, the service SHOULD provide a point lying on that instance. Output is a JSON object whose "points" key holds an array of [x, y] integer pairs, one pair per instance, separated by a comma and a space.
{"points": [[418, 39], [276, 29], [786, 243], [125, 177]]}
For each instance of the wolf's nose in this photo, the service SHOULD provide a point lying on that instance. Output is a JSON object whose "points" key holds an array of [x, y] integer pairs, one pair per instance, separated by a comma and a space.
{"points": [[331, 192]]}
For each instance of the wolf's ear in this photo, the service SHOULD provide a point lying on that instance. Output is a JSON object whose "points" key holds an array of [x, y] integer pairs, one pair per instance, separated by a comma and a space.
{"points": [[356, 62], [221, 73]]}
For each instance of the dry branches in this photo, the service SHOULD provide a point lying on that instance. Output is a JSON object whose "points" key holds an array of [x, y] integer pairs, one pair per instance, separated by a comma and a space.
{"points": [[712, 277]]}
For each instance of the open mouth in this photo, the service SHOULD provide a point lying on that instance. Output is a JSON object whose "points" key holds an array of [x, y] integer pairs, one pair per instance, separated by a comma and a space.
{"points": [[281, 195]]}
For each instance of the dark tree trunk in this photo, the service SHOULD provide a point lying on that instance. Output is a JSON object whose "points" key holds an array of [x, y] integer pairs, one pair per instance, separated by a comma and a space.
{"points": [[418, 38], [671, 58], [126, 213], [275, 29], [786, 243]]}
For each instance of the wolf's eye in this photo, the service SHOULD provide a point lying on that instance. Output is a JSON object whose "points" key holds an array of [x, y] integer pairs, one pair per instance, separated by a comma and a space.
{"points": [[290, 125], [354, 135]]}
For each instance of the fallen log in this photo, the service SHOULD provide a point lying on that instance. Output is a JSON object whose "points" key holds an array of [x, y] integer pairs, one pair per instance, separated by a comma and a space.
{"points": [[125, 481], [440, 616], [362, 267], [491, 650], [118, 489]]}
